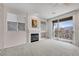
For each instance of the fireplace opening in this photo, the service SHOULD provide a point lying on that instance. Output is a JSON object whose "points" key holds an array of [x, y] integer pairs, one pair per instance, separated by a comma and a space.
{"points": [[34, 37]]}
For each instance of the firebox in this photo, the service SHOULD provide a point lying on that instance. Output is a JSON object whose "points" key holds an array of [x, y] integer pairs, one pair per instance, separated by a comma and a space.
{"points": [[34, 37]]}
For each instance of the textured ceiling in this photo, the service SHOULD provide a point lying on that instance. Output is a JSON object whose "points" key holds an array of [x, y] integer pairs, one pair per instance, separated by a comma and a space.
{"points": [[44, 10]]}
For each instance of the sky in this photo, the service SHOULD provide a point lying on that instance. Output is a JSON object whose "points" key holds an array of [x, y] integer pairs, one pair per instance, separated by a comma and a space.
{"points": [[64, 24]]}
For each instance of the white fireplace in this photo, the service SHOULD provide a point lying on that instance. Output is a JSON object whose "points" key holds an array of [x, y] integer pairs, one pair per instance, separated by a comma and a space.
{"points": [[34, 30]]}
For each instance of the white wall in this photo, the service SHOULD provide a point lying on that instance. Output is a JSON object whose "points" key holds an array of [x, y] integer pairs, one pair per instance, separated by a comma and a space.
{"points": [[76, 17], [49, 29], [1, 26], [13, 38]]}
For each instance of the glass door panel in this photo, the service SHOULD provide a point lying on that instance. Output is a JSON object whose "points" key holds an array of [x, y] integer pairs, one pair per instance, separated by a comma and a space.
{"points": [[55, 29], [63, 29], [66, 29]]}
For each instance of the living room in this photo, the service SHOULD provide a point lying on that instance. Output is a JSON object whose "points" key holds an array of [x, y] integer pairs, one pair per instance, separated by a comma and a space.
{"points": [[30, 28]]}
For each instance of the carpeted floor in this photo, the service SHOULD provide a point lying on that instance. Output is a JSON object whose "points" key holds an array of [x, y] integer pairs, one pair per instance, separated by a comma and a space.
{"points": [[43, 48]]}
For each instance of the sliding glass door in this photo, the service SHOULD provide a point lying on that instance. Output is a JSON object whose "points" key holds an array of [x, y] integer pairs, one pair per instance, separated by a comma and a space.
{"points": [[63, 29], [55, 28]]}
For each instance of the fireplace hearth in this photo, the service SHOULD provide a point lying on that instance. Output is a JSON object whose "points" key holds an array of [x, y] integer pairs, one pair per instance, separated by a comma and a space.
{"points": [[34, 37]]}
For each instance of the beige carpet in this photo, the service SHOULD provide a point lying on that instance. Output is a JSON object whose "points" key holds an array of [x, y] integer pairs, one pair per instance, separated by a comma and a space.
{"points": [[43, 48]]}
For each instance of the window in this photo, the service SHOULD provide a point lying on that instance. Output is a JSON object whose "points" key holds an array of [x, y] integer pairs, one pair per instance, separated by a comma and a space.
{"points": [[15, 22], [66, 28], [63, 28], [55, 24], [43, 26], [12, 26], [21, 26], [66, 22], [55, 27]]}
